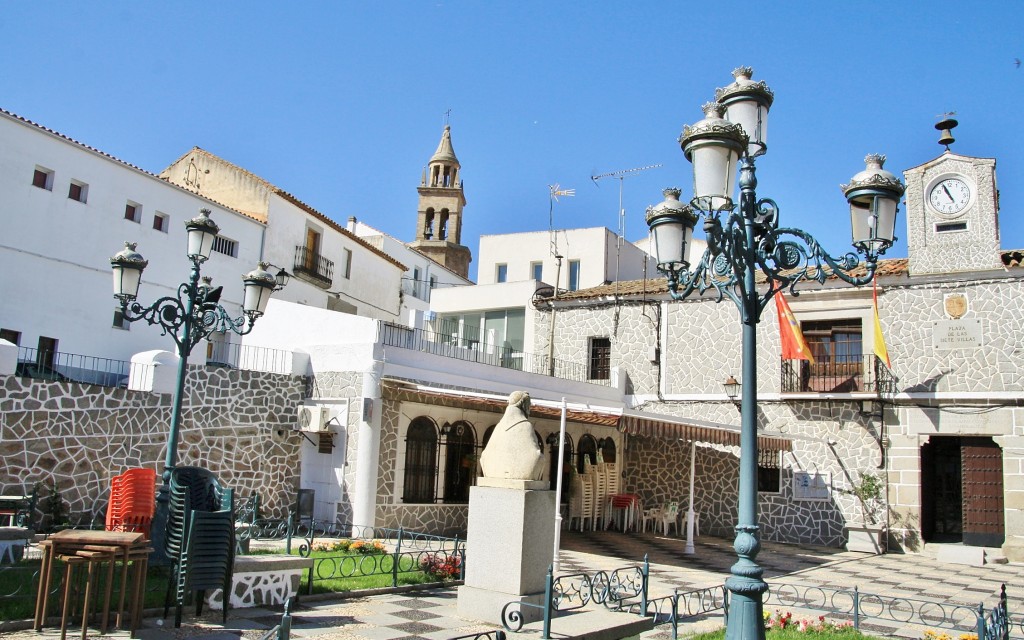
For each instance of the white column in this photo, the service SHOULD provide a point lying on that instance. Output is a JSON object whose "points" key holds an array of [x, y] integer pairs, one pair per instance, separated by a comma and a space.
{"points": [[689, 511], [364, 498]]}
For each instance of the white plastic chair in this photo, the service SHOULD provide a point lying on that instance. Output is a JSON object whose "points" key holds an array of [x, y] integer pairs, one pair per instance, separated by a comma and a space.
{"points": [[669, 517], [650, 517]]}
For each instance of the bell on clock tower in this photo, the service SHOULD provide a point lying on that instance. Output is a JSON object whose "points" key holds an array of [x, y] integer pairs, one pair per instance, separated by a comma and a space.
{"points": [[952, 212]]}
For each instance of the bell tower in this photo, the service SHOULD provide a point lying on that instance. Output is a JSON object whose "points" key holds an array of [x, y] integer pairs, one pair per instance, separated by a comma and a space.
{"points": [[952, 212], [439, 221]]}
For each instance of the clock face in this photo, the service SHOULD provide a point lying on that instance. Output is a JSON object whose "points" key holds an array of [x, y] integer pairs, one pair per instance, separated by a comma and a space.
{"points": [[950, 196]]}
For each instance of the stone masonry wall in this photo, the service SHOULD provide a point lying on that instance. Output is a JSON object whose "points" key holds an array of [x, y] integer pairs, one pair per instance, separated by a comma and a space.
{"points": [[236, 423]]}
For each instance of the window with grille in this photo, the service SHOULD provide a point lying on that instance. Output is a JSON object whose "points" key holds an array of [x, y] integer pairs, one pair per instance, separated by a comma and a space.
{"points": [[225, 246], [460, 462], [769, 471], [420, 461], [600, 359]]}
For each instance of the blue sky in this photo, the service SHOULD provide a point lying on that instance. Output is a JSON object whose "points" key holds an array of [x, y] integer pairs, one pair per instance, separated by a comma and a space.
{"points": [[343, 103]]}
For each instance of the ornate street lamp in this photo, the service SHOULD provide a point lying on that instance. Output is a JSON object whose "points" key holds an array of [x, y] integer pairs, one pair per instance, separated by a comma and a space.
{"points": [[741, 241], [188, 318]]}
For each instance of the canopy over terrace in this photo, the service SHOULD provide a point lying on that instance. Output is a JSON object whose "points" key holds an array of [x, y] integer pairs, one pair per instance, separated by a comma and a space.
{"points": [[627, 421]]}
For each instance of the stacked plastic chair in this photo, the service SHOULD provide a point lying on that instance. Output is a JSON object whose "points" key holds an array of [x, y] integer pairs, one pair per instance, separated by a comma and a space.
{"points": [[132, 501], [200, 540]]}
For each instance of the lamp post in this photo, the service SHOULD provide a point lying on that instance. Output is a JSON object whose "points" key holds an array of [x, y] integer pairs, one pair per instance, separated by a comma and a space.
{"points": [[188, 318], [745, 238]]}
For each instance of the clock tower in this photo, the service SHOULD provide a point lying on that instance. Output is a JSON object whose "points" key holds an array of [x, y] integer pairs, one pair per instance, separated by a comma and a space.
{"points": [[439, 220], [952, 212]]}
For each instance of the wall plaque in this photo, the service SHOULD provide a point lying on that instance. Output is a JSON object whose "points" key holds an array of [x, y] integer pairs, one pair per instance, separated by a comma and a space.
{"points": [[948, 335], [811, 486]]}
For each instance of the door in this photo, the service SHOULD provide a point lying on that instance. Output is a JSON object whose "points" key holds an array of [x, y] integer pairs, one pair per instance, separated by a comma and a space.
{"points": [[941, 479], [962, 491], [982, 492]]}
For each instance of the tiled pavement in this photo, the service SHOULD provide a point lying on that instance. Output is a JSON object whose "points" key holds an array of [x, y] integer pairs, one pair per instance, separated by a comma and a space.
{"points": [[432, 615]]}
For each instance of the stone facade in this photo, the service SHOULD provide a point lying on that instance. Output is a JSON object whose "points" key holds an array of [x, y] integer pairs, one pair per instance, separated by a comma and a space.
{"points": [[970, 391], [236, 423]]}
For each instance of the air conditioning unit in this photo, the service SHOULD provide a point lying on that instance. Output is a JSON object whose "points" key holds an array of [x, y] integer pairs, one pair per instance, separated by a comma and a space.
{"points": [[313, 419]]}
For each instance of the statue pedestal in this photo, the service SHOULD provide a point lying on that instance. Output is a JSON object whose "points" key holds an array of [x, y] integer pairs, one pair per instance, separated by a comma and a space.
{"points": [[510, 545]]}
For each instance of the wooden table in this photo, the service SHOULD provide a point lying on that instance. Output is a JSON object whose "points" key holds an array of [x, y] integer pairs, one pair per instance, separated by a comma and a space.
{"points": [[78, 547]]}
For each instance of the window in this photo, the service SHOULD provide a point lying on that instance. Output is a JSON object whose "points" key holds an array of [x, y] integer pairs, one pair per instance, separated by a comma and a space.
{"points": [[78, 191], [161, 221], [459, 462], [574, 275], [433, 282], [501, 273], [837, 347], [420, 461], [769, 471], [121, 322], [586, 452], [600, 359], [537, 269], [43, 178], [133, 211], [348, 263], [10, 335], [225, 246], [945, 227]]}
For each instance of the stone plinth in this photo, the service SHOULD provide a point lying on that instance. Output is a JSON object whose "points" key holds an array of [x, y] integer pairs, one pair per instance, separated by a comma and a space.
{"points": [[510, 545]]}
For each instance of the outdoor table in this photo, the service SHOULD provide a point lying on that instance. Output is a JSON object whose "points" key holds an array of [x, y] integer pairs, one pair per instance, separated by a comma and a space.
{"points": [[90, 548]]}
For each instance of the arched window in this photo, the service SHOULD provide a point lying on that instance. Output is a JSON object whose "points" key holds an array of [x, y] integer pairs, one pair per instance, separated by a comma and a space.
{"points": [[553, 464], [587, 451], [428, 224], [459, 461], [487, 435], [607, 449], [442, 226], [420, 461]]}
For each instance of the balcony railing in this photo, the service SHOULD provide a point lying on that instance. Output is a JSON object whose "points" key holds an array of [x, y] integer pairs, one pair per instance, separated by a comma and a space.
{"points": [[71, 367], [864, 373], [313, 267], [444, 344], [248, 357]]}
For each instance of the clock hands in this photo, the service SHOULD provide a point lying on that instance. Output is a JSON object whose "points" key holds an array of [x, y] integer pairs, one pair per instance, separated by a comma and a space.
{"points": [[948, 194]]}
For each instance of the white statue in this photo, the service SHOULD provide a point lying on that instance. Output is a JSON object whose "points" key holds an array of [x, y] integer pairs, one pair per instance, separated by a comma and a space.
{"points": [[513, 452]]}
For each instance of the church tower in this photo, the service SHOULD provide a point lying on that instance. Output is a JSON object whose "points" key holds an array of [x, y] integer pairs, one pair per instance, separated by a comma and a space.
{"points": [[439, 221], [952, 212]]}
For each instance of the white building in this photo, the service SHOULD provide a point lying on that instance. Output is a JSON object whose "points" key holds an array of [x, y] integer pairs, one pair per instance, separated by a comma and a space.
{"points": [[67, 208], [422, 277], [590, 257], [333, 268]]}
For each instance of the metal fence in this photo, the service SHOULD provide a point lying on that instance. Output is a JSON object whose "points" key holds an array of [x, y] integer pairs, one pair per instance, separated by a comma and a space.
{"points": [[249, 358], [71, 367], [840, 374], [444, 344]]}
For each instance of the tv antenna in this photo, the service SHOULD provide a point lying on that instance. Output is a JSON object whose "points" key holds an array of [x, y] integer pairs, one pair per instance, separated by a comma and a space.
{"points": [[554, 191], [621, 175]]}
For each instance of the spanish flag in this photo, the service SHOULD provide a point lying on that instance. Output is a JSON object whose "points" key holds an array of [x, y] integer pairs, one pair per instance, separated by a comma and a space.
{"points": [[794, 347], [879, 341]]}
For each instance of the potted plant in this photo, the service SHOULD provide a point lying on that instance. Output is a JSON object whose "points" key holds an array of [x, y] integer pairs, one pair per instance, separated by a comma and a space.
{"points": [[869, 490]]}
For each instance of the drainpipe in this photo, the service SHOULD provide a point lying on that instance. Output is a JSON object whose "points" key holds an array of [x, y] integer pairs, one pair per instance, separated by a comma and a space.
{"points": [[364, 497]]}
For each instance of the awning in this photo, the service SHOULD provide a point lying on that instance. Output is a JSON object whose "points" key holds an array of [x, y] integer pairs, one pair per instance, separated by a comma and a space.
{"points": [[679, 429], [627, 421]]}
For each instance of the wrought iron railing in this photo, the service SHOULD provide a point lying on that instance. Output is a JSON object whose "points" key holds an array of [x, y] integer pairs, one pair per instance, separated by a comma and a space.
{"points": [[838, 375], [249, 357], [444, 344], [621, 589], [313, 265], [71, 367]]}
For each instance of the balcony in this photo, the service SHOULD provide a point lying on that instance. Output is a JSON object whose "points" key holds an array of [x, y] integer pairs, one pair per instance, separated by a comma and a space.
{"points": [[56, 366], [313, 267], [446, 345], [851, 374]]}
